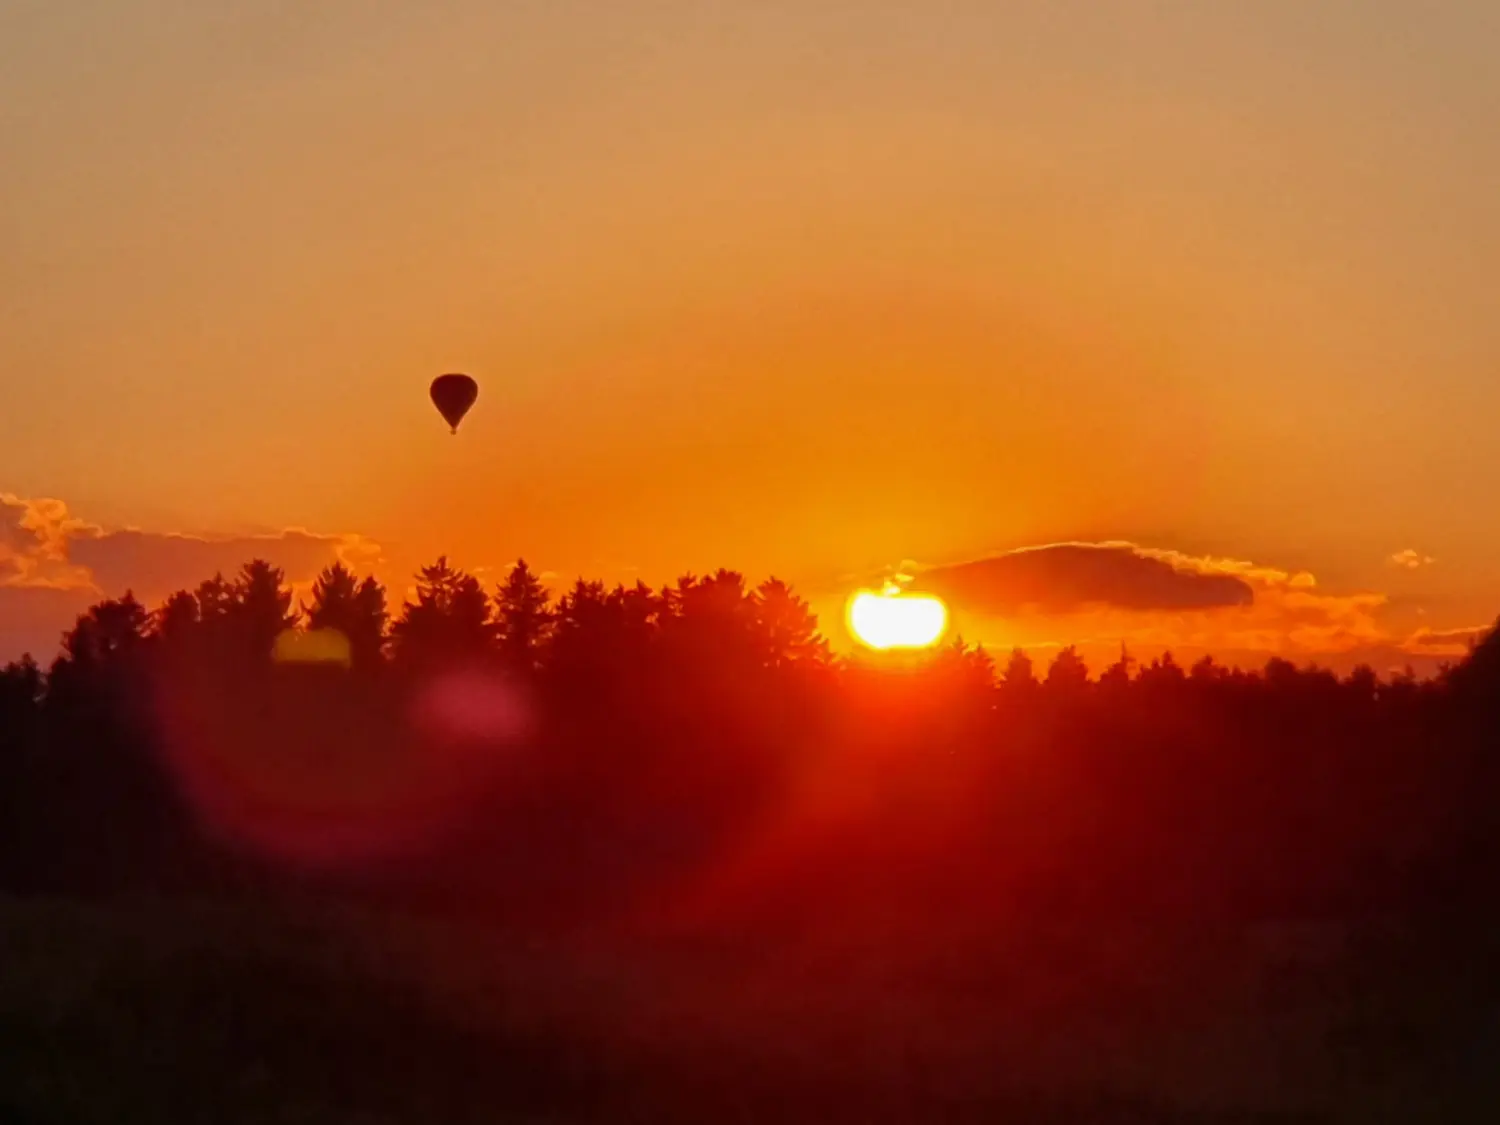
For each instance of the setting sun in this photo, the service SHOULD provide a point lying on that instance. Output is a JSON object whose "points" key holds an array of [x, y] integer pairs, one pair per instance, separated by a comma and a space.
{"points": [[894, 620]]}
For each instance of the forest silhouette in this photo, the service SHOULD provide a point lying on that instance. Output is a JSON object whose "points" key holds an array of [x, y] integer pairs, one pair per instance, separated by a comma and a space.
{"points": [[693, 768]]}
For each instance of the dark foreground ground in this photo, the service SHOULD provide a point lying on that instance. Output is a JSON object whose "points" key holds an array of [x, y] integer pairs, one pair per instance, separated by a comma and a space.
{"points": [[151, 1012]]}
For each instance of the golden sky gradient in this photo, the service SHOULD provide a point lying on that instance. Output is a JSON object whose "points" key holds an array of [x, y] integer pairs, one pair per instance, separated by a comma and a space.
{"points": [[799, 287]]}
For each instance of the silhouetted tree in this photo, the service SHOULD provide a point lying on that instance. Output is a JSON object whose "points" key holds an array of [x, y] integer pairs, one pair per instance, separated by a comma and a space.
{"points": [[176, 621], [1363, 684], [584, 631], [1476, 679], [449, 621], [96, 674], [1281, 674], [1117, 676], [1163, 674], [108, 632], [354, 607], [1018, 681], [788, 627], [261, 609], [22, 685], [523, 618], [1206, 671], [1067, 674], [216, 598], [707, 626]]}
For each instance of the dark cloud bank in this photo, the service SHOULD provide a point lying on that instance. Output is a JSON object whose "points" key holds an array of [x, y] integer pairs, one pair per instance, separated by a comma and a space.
{"points": [[1066, 577]]}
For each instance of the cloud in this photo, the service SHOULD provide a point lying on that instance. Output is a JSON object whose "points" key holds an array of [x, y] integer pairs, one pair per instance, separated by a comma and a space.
{"points": [[1411, 559], [34, 544], [1446, 642], [155, 563], [1061, 578], [53, 564], [1099, 595]]}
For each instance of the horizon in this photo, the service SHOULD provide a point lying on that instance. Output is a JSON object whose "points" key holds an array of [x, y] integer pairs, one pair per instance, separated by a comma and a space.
{"points": [[835, 620]]}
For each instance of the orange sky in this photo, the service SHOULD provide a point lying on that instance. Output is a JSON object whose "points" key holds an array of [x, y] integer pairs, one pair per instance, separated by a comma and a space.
{"points": [[803, 287]]}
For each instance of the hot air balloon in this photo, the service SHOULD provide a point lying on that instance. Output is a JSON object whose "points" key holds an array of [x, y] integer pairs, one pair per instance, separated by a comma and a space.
{"points": [[453, 395]]}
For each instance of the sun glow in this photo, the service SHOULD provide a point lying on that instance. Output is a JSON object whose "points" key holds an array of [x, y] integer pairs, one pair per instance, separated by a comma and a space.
{"points": [[891, 619]]}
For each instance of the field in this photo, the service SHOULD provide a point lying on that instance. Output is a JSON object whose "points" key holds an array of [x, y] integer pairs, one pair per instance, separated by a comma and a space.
{"points": [[146, 1011]]}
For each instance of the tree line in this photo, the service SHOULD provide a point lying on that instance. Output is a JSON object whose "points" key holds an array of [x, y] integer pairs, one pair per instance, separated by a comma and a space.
{"points": [[573, 753]]}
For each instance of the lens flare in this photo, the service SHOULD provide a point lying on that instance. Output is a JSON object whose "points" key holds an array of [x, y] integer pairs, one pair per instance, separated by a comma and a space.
{"points": [[312, 646], [312, 766]]}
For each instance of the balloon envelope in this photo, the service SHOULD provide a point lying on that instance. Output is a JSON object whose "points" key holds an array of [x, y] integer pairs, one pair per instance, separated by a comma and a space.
{"points": [[453, 395]]}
